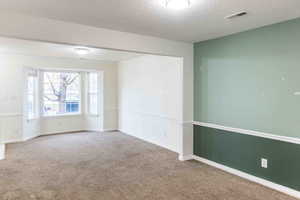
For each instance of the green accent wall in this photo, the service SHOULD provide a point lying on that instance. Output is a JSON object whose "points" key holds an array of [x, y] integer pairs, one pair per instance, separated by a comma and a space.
{"points": [[243, 152], [251, 80]]}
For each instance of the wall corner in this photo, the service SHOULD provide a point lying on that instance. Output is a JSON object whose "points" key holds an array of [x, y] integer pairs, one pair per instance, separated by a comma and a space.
{"points": [[2, 151]]}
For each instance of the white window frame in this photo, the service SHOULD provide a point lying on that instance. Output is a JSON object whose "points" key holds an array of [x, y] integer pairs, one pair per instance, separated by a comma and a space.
{"points": [[89, 93], [42, 93], [32, 73]]}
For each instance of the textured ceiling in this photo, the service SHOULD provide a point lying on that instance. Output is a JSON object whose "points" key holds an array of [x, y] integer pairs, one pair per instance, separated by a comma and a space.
{"points": [[43, 49], [203, 20]]}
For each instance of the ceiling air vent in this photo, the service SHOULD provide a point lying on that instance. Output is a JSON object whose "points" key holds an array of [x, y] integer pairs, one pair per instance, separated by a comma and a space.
{"points": [[239, 14]]}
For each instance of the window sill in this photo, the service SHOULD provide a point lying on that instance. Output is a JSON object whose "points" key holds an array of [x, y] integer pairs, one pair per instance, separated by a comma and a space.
{"points": [[93, 115], [32, 119], [62, 115]]}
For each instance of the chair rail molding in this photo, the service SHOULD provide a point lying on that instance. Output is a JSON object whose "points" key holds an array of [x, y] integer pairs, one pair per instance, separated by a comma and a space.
{"points": [[249, 132]]}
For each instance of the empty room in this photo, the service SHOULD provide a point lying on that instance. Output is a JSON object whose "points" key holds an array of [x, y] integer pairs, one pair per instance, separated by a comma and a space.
{"points": [[149, 99]]}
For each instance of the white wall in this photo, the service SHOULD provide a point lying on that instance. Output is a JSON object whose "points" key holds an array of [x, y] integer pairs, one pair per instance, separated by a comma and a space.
{"points": [[35, 28], [2, 151], [13, 123], [11, 101], [150, 99]]}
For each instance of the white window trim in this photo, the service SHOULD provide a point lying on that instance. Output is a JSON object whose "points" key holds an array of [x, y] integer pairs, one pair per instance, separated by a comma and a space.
{"points": [[83, 92], [63, 115]]}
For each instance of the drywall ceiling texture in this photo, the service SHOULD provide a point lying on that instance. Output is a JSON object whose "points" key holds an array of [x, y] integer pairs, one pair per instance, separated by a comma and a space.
{"points": [[203, 20], [42, 29], [45, 49]]}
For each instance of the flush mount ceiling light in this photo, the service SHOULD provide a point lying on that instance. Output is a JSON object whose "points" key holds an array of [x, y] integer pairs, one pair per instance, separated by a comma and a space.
{"points": [[177, 4], [82, 51]]}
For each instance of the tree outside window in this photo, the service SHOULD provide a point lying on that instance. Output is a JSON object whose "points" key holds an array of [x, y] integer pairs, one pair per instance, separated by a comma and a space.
{"points": [[61, 93]]}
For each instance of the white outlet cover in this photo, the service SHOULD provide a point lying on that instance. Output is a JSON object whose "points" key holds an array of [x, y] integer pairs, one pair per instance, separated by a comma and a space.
{"points": [[264, 163]]}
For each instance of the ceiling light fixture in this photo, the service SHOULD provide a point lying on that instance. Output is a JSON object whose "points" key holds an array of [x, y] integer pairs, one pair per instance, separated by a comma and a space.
{"points": [[82, 51], [177, 4]]}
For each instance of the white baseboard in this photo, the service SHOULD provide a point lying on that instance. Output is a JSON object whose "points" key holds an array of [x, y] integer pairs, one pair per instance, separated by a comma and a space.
{"points": [[2, 151], [109, 130], [19, 140], [12, 141], [150, 141], [47, 134], [29, 138], [252, 178], [185, 158], [61, 132]]}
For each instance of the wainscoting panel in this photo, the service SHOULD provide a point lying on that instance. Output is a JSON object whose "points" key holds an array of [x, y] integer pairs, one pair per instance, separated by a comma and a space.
{"points": [[244, 152], [160, 130], [11, 127]]}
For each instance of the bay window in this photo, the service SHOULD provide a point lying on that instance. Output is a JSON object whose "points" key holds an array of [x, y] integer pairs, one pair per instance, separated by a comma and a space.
{"points": [[60, 93]]}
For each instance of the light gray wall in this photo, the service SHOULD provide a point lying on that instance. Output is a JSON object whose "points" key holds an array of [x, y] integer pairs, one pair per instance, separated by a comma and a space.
{"points": [[149, 99]]}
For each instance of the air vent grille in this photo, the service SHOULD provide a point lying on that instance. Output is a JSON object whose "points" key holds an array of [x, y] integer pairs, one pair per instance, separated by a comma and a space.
{"points": [[238, 14]]}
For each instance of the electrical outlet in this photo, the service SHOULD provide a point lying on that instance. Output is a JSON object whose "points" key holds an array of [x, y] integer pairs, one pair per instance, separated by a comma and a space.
{"points": [[264, 163]]}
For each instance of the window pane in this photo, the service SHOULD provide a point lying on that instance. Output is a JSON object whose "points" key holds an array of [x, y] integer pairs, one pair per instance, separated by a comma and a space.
{"points": [[72, 106], [93, 102], [30, 106], [51, 108], [93, 93], [31, 96], [30, 85], [93, 82], [61, 93]]}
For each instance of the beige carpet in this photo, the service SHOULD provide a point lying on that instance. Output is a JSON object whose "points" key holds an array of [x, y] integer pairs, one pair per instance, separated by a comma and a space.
{"points": [[109, 166]]}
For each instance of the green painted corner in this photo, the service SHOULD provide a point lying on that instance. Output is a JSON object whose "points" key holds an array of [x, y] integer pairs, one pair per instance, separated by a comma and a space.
{"points": [[244, 153]]}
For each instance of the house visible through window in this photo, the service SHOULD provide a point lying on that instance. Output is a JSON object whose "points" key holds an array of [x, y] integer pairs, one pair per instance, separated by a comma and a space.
{"points": [[93, 93], [61, 93], [32, 81]]}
